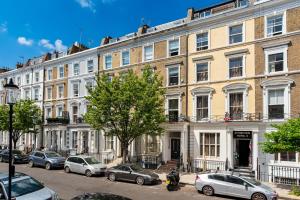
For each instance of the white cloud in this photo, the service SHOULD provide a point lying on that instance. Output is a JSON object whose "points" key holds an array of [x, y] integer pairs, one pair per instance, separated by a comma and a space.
{"points": [[58, 45], [3, 27], [87, 4], [107, 1], [24, 41]]}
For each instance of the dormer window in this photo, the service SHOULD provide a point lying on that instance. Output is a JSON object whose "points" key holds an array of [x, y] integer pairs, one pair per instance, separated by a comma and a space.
{"points": [[205, 13], [241, 3]]}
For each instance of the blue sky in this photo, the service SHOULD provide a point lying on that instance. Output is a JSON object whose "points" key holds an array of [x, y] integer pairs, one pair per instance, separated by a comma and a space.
{"points": [[33, 27]]}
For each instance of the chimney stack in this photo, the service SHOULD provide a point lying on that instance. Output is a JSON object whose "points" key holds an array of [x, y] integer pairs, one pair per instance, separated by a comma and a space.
{"points": [[190, 14], [143, 29], [105, 40]]}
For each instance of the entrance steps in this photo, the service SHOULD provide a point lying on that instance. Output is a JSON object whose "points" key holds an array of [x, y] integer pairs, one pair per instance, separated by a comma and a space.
{"points": [[245, 171], [172, 164]]}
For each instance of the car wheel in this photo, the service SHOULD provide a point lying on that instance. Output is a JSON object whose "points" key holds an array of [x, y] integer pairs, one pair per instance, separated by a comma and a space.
{"points": [[140, 180], [1, 159], [67, 170], [112, 177], [31, 164], [258, 196], [208, 190], [48, 166], [88, 173]]}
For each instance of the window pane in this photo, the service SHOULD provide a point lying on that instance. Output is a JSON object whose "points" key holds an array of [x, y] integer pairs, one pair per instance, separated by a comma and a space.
{"points": [[236, 67], [125, 58], [276, 62], [236, 106], [173, 76], [174, 47], [274, 25], [236, 34], [148, 51], [202, 71], [202, 41]]}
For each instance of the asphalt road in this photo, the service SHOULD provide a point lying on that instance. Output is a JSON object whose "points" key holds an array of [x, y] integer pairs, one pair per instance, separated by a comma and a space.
{"points": [[70, 185]]}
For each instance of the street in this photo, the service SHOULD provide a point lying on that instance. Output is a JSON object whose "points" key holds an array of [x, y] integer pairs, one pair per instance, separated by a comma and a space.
{"points": [[70, 185]]}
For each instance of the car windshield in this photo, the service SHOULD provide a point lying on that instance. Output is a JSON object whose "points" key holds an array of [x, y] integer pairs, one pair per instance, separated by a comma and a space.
{"points": [[52, 155], [252, 181], [24, 186], [92, 160], [136, 168], [18, 152]]}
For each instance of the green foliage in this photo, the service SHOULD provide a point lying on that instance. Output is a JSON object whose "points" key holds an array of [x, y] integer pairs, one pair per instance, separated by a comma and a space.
{"points": [[285, 139], [295, 190], [128, 106], [26, 117]]}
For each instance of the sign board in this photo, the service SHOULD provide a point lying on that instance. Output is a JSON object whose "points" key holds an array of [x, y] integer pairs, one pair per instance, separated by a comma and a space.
{"points": [[242, 134]]}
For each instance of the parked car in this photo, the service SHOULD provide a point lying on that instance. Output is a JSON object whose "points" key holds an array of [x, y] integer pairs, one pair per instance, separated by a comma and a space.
{"points": [[133, 173], [25, 187], [233, 185], [17, 156], [47, 159], [84, 165]]}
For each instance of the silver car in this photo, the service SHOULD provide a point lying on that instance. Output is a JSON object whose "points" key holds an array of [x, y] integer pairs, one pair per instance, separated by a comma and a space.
{"points": [[84, 165], [233, 185], [25, 187]]}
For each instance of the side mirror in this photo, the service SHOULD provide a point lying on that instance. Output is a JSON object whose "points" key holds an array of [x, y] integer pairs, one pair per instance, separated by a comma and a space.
{"points": [[130, 171]]}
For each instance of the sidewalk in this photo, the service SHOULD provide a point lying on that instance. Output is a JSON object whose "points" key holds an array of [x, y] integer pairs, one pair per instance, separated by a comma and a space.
{"points": [[189, 179]]}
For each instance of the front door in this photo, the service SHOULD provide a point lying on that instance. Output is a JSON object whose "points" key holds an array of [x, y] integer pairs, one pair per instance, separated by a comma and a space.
{"points": [[243, 151], [175, 149]]}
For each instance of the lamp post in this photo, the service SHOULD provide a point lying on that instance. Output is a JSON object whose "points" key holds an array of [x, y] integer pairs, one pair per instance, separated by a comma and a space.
{"points": [[10, 100]]}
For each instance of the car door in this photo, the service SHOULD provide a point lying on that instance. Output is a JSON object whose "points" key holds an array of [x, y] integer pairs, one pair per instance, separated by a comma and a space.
{"points": [[219, 183], [237, 187], [72, 163], [38, 158], [78, 166], [124, 173], [5, 155]]}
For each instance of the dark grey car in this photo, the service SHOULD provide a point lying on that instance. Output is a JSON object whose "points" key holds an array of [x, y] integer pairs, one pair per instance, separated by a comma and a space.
{"points": [[132, 173]]}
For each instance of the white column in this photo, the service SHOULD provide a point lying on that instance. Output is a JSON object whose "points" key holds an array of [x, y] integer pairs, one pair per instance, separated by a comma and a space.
{"points": [[255, 146], [230, 149], [90, 139], [184, 146]]}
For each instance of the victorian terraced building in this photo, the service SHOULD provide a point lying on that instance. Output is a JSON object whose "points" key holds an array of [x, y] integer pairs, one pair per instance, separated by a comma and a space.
{"points": [[230, 70]]}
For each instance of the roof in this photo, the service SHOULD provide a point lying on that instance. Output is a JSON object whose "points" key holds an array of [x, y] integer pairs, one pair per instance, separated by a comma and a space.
{"points": [[215, 5], [4, 176]]}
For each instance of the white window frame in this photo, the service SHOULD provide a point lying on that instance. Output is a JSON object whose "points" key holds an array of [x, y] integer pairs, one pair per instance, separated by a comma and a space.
{"points": [[35, 94], [74, 69], [287, 101], [168, 46], [57, 109], [26, 91], [275, 50], [208, 70], [87, 66], [144, 52], [170, 97], [37, 77], [202, 93], [27, 78], [179, 78], [50, 113], [63, 70], [283, 23], [121, 57], [77, 83], [243, 34], [104, 61], [216, 144], [49, 97], [244, 66], [208, 38], [49, 75], [63, 88]]}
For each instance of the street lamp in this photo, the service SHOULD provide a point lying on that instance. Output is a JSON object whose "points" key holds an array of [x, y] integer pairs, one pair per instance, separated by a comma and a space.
{"points": [[10, 100]]}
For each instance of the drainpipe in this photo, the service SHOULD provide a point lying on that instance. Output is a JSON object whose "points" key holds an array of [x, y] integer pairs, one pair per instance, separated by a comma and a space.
{"points": [[186, 101]]}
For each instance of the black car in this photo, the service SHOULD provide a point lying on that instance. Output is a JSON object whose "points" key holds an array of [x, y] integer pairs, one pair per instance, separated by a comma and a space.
{"points": [[17, 156], [132, 173]]}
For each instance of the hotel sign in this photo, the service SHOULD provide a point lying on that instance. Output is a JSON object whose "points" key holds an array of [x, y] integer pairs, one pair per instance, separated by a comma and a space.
{"points": [[242, 134]]}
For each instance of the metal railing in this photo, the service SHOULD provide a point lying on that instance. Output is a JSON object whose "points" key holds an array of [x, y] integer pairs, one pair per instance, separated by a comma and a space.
{"points": [[150, 161], [200, 164], [286, 175]]}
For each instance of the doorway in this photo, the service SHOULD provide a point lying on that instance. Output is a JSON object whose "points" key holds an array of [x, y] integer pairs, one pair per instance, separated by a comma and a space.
{"points": [[243, 149], [175, 149]]}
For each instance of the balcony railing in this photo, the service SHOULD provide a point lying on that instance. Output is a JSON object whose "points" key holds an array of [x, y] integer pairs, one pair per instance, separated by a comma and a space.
{"points": [[205, 165], [176, 118], [150, 161], [249, 117], [58, 120]]}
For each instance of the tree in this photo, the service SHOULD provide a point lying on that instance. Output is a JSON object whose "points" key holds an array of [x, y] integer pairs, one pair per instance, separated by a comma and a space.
{"points": [[128, 106], [26, 117], [286, 138]]}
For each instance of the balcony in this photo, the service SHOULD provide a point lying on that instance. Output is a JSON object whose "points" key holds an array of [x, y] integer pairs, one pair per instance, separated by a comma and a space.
{"points": [[176, 118], [58, 120]]}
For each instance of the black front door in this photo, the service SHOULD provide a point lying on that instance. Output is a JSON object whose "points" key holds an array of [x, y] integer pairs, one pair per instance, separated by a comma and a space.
{"points": [[243, 150], [175, 149]]}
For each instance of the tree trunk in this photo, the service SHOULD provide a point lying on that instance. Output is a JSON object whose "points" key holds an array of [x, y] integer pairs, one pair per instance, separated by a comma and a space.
{"points": [[124, 153]]}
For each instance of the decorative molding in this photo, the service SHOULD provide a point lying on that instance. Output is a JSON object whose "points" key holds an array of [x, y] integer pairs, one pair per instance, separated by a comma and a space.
{"points": [[202, 90], [236, 86], [277, 82], [241, 51], [276, 43], [203, 58]]}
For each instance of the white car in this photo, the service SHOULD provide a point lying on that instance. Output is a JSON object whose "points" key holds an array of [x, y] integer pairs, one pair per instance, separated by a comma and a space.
{"points": [[25, 187], [84, 165], [233, 185]]}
